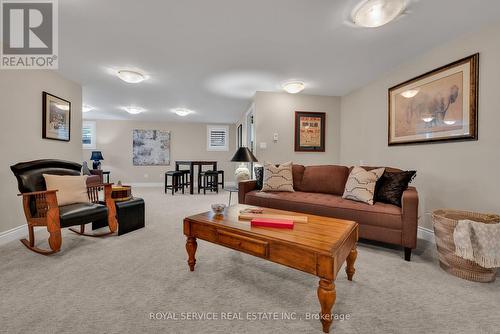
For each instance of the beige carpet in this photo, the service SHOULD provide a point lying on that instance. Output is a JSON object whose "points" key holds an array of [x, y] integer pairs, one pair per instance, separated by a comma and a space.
{"points": [[112, 285]]}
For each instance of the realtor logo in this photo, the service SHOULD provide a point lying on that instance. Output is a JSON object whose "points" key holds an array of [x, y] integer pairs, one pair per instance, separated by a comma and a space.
{"points": [[29, 34]]}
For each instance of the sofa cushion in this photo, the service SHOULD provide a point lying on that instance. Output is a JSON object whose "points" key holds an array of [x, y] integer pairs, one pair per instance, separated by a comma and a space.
{"points": [[259, 176], [360, 185], [390, 186], [327, 179], [81, 213], [278, 178], [298, 174], [379, 214]]}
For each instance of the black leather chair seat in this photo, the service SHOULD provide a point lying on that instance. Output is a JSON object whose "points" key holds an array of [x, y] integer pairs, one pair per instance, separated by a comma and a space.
{"points": [[82, 213]]}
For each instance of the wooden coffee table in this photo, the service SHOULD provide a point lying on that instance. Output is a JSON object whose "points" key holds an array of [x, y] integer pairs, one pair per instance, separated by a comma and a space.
{"points": [[319, 247]]}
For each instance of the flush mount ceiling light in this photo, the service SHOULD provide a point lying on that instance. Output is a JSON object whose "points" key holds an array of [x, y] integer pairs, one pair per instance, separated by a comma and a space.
{"points": [[181, 111], [410, 93], [294, 87], [130, 76], [87, 108], [133, 110], [376, 13]]}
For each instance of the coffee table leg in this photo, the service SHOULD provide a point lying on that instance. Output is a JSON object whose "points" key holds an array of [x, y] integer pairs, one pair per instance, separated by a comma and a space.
{"points": [[191, 246], [326, 296], [349, 269]]}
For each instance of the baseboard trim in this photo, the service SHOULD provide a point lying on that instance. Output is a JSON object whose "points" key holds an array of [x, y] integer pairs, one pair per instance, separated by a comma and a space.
{"points": [[15, 233], [426, 234], [146, 184]]}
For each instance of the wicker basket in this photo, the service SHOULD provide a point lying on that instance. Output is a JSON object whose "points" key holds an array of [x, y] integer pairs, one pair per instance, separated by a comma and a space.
{"points": [[444, 222]]}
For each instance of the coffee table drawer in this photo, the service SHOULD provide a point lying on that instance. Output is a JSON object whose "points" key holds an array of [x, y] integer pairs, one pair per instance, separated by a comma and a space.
{"points": [[242, 243], [204, 233]]}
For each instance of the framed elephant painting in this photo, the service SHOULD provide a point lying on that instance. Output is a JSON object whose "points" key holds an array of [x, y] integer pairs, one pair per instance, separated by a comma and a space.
{"points": [[437, 106]]}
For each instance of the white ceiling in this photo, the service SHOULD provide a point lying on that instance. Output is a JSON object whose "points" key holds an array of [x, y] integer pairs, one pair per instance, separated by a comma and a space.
{"points": [[212, 55]]}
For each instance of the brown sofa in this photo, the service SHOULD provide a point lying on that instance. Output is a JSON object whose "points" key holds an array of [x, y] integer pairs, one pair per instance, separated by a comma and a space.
{"points": [[319, 189]]}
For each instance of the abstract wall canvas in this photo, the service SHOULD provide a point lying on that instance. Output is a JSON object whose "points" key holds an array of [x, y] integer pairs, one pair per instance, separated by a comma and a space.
{"points": [[151, 148], [436, 106]]}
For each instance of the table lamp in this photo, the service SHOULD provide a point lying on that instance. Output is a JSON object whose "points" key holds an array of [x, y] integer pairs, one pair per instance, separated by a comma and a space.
{"points": [[96, 157], [243, 155]]}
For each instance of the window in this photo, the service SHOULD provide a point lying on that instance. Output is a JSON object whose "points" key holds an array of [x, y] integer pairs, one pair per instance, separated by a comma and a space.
{"points": [[89, 134], [217, 138]]}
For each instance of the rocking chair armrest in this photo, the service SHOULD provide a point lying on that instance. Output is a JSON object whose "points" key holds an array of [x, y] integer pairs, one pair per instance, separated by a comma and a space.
{"points": [[46, 201], [98, 185], [33, 193]]}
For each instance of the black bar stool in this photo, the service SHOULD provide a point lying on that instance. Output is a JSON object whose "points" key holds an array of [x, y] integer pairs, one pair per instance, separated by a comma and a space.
{"points": [[208, 180], [185, 177], [177, 183], [221, 173]]}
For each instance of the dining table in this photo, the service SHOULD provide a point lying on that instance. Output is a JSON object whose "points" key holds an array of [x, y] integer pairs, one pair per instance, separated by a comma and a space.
{"points": [[192, 164]]}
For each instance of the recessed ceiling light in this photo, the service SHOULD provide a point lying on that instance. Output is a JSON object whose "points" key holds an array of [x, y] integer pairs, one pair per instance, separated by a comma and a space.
{"points": [[410, 93], [294, 87], [449, 122], [182, 111], [87, 108], [428, 119], [376, 13], [134, 110], [131, 76]]}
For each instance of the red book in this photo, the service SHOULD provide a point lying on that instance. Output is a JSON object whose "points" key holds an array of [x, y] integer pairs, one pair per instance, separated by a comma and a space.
{"points": [[268, 222]]}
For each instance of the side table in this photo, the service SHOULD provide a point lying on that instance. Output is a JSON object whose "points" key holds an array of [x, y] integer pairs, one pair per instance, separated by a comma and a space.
{"points": [[231, 191]]}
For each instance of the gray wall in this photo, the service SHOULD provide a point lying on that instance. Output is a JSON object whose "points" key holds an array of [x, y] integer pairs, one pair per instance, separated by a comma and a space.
{"points": [[21, 130], [460, 175], [275, 113], [188, 142]]}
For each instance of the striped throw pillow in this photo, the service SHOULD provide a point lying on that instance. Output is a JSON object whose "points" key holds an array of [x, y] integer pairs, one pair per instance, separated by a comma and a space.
{"points": [[360, 185], [278, 178]]}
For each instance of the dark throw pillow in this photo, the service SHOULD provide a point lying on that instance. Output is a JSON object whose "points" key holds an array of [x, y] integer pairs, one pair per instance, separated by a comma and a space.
{"points": [[259, 176], [391, 185]]}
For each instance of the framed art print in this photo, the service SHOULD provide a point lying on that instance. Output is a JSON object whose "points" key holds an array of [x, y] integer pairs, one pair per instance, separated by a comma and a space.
{"points": [[56, 118], [437, 106], [310, 131]]}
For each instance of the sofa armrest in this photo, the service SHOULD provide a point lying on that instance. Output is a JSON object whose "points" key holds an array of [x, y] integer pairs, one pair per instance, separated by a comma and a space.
{"points": [[410, 217], [244, 187]]}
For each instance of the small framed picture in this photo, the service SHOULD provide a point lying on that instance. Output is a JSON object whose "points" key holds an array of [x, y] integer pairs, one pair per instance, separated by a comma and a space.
{"points": [[441, 105], [310, 131], [56, 118]]}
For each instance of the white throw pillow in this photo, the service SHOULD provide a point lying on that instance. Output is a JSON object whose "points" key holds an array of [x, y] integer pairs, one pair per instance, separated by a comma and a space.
{"points": [[278, 178], [360, 185], [70, 189]]}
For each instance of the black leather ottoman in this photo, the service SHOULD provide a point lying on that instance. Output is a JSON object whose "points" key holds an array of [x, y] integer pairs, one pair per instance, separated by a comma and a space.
{"points": [[130, 215]]}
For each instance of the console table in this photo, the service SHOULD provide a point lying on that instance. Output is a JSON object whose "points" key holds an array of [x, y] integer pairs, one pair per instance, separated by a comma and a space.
{"points": [[192, 164]]}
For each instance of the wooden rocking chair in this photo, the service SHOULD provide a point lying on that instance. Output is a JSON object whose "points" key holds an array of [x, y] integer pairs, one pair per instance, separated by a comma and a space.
{"points": [[41, 208]]}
